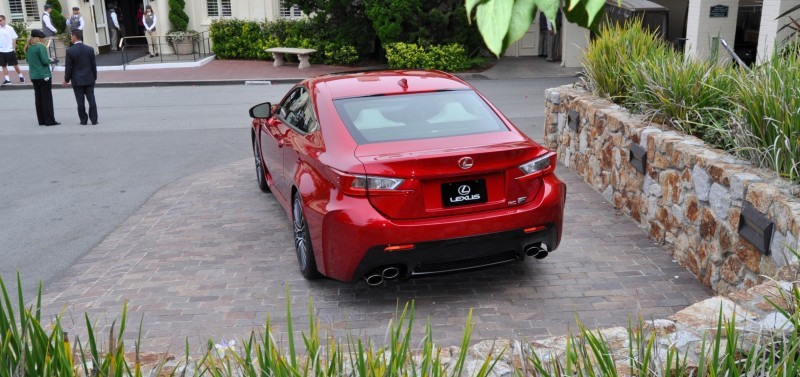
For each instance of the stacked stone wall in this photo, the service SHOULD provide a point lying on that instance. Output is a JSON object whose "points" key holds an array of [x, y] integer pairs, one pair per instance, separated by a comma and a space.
{"points": [[690, 195]]}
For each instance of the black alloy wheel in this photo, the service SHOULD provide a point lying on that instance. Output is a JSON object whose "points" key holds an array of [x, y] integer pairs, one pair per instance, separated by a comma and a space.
{"points": [[302, 241], [260, 174]]}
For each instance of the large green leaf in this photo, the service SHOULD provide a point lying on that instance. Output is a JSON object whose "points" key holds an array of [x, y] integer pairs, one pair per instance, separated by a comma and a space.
{"points": [[494, 17], [549, 7], [593, 8], [521, 19]]}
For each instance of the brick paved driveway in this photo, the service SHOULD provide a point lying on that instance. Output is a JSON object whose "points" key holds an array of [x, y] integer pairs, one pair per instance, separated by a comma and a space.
{"points": [[208, 257]]}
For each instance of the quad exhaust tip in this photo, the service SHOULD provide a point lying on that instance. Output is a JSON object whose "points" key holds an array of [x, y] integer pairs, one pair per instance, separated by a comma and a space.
{"points": [[538, 251]]}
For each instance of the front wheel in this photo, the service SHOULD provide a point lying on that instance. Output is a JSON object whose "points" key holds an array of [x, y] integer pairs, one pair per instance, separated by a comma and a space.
{"points": [[260, 173], [302, 241]]}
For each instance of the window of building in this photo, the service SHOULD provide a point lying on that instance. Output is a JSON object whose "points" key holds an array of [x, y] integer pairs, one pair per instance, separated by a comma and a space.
{"points": [[23, 10], [218, 8], [290, 11]]}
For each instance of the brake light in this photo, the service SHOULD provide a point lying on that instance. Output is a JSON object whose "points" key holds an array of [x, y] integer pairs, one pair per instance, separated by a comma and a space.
{"points": [[359, 185], [542, 164]]}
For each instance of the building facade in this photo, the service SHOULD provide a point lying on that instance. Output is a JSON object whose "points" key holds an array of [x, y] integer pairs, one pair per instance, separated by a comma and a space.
{"points": [[750, 27]]}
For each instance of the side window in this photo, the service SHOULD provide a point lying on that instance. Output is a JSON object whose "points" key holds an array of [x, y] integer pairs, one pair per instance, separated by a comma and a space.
{"points": [[296, 110]]}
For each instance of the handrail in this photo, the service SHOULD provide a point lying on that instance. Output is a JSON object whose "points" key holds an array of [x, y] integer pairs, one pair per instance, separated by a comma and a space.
{"points": [[202, 47]]}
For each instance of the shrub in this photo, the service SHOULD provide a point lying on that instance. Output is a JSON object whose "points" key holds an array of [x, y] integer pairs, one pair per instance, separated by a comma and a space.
{"points": [[768, 100], [451, 58], [177, 16], [336, 54], [690, 95], [21, 28], [609, 58]]}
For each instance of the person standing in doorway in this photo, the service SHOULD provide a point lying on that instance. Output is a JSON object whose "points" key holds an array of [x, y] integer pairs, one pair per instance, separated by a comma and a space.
{"points": [[149, 20], [41, 77], [139, 17], [75, 21], [47, 23], [542, 35], [113, 26], [8, 50], [81, 69], [554, 39]]}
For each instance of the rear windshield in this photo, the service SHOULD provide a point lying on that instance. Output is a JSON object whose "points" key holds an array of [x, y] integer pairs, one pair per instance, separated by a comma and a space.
{"points": [[417, 116]]}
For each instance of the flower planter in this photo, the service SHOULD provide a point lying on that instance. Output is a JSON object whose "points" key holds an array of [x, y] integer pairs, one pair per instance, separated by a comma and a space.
{"points": [[185, 47]]}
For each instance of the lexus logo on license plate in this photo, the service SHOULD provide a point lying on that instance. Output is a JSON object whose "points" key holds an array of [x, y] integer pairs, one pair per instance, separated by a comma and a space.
{"points": [[465, 192]]}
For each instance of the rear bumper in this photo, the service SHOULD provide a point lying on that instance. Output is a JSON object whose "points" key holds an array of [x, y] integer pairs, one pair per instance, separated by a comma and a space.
{"points": [[453, 255], [353, 236]]}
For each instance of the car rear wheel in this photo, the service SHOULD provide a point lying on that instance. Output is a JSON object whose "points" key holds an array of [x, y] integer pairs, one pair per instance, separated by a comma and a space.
{"points": [[260, 174], [302, 241]]}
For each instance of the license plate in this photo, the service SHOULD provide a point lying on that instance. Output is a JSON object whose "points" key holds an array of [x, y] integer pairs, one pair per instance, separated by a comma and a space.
{"points": [[464, 192]]}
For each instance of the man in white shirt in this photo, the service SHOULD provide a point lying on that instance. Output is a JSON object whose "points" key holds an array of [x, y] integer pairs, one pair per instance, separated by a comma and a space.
{"points": [[47, 23], [75, 21], [8, 47], [113, 26]]}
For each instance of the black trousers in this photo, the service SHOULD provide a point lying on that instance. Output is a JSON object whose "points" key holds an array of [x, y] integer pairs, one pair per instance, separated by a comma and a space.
{"points": [[43, 94], [83, 94]]}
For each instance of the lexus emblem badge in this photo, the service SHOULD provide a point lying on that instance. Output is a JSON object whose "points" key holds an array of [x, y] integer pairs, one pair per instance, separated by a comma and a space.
{"points": [[464, 190], [465, 162]]}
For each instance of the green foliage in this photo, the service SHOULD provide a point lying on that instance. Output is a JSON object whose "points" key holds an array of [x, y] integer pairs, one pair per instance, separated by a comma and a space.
{"points": [[450, 58], [753, 114], [177, 15], [610, 57], [343, 22], [769, 121], [502, 22], [56, 4], [29, 347], [244, 39], [424, 22], [690, 95], [21, 28]]}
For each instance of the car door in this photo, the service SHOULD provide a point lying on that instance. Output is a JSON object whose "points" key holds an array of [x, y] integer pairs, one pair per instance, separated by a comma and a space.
{"points": [[296, 144], [276, 139]]}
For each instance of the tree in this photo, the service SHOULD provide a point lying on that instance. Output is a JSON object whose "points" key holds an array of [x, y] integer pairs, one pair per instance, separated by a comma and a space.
{"points": [[177, 16], [58, 19], [503, 22]]}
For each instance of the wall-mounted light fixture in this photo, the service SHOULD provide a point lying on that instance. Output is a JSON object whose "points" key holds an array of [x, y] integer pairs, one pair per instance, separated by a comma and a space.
{"points": [[637, 156], [573, 120], [755, 228]]}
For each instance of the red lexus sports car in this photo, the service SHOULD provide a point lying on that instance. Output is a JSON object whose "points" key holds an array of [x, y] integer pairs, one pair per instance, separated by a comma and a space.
{"points": [[396, 174]]}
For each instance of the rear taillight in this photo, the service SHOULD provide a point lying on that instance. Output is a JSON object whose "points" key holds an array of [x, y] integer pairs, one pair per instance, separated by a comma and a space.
{"points": [[359, 185], [540, 165]]}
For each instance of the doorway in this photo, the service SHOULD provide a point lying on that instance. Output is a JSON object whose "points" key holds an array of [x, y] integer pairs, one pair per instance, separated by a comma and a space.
{"points": [[129, 17]]}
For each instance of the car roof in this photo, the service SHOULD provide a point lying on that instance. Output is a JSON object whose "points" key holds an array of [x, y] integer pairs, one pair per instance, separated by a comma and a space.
{"points": [[383, 82]]}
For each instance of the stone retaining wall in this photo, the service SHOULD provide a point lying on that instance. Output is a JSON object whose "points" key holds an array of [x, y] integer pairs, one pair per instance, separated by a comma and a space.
{"points": [[691, 195]]}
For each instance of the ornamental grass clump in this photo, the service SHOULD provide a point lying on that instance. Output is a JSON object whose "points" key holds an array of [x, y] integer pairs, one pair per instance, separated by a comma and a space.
{"points": [[768, 102], [691, 95], [609, 59]]}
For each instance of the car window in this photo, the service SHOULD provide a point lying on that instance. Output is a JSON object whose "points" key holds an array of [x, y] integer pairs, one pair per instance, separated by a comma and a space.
{"points": [[417, 116], [297, 111]]}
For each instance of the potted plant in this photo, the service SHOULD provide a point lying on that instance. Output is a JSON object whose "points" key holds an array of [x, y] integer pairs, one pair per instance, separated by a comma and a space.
{"points": [[182, 40]]}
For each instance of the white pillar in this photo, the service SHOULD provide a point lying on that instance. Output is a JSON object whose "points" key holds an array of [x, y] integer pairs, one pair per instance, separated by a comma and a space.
{"points": [[768, 35], [701, 28], [574, 41]]}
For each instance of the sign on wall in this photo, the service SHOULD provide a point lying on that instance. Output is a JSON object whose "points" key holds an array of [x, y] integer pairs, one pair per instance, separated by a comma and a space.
{"points": [[718, 11]]}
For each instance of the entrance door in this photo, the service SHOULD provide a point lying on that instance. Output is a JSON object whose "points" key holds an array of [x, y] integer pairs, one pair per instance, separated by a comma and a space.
{"points": [[528, 45], [101, 25]]}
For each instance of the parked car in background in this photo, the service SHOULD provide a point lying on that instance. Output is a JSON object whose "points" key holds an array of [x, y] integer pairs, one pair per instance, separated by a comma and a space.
{"points": [[397, 174]]}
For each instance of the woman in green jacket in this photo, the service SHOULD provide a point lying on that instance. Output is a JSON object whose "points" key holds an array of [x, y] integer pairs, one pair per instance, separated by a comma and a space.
{"points": [[41, 77]]}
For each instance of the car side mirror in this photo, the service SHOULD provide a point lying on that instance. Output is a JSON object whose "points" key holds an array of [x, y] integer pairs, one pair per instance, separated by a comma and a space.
{"points": [[261, 111]]}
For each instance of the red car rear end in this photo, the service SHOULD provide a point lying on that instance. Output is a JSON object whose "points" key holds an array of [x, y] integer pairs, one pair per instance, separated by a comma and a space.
{"points": [[408, 173]]}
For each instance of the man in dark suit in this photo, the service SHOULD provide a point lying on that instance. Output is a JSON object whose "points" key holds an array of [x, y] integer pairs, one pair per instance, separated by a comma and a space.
{"points": [[81, 69]]}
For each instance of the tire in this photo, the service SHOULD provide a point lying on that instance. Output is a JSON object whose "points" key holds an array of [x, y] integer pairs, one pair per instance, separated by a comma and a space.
{"points": [[302, 241], [260, 173]]}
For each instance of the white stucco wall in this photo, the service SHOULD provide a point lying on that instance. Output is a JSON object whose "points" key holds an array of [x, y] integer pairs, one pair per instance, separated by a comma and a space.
{"points": [[574, 41], [768, 35], [701, 29]]}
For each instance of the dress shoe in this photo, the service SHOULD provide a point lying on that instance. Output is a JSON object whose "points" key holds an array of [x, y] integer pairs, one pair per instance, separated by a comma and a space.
{"points": [[52, 124], [83, 123], [94, 123]]}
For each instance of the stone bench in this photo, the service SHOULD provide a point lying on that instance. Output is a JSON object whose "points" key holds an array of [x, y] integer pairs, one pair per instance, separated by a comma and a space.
{"points": [[303, 54]]}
